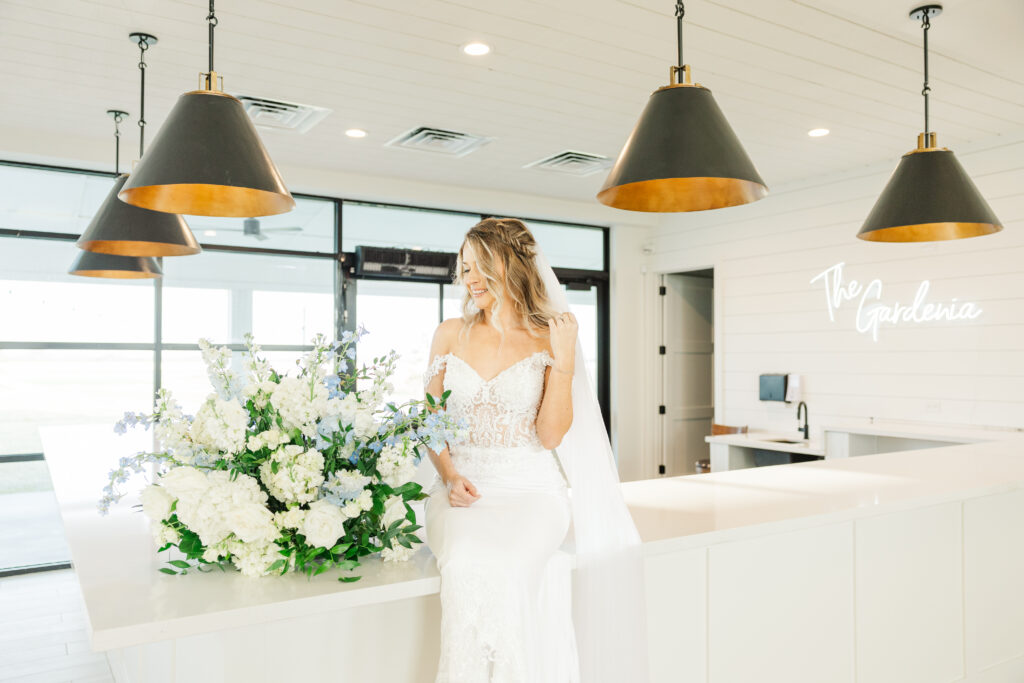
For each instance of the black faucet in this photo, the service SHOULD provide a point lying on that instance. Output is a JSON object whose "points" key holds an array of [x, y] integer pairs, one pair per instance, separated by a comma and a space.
{"points": [[803, 406]]}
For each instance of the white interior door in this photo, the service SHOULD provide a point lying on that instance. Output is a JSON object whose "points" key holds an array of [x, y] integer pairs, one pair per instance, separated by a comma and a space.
{"points": [[687, 371]]}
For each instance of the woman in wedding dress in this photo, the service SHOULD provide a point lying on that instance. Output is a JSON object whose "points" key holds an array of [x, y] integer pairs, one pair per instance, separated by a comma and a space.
{"points": [[499, 508]]}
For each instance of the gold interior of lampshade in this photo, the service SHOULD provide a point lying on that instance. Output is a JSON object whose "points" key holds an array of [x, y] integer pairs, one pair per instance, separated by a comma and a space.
{"points": [[117, 274], [682, 194], [195, 199], [133, 248], [930, 232]]}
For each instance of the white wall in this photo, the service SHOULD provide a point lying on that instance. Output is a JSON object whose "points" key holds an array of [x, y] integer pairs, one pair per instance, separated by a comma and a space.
{"points": [[770, 318]]}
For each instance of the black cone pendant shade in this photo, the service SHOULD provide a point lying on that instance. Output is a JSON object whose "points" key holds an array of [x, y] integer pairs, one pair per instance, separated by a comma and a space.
{"points": [[682, 156], [208, 160], [119, 228], [91, 264], [929, 197]]}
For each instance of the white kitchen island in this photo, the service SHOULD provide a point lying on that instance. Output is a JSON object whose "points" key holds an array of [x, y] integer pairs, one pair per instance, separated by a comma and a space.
{"points": [[900, 567]]}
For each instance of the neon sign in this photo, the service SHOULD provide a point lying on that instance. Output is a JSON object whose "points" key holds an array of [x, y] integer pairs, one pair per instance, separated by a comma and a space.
{"points": [[872, 313]]}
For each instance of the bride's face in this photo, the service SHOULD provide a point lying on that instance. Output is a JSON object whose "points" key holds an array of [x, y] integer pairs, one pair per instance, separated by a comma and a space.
{"points": [[476, 283]]}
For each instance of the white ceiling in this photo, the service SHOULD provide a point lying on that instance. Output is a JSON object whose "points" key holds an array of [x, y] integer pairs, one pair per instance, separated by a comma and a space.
{"points": [[568, 75]]}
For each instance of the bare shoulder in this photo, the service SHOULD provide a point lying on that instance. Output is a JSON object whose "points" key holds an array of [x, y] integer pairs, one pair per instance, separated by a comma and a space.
{"points": [[445, 335]]}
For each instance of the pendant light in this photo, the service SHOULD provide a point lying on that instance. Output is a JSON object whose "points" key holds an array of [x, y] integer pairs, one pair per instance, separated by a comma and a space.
{"points": [[207, 159], [92, 264], [682, 155], [929, 196], [119, 228], [95, 264]]}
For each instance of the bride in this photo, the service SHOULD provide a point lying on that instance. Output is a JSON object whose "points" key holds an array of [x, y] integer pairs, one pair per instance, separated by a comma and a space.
{"points": [[499, 508]]}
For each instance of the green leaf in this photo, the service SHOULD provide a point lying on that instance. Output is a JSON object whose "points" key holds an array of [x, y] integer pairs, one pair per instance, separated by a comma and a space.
{"points": [[415, 538], [165, 570], [276, 565], [349, 579], [404, 540], [413, 527], [430, 400], [181, 564]]}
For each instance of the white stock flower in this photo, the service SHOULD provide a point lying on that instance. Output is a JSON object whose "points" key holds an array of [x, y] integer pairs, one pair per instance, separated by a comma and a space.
{"points": [[300, 404], [220, 426], [156, 502], [395, 467], [289, 519], [358, 505], [399, 553], [323, 525], [364, 424], [254, 559], [299, 474], [162, 535]]}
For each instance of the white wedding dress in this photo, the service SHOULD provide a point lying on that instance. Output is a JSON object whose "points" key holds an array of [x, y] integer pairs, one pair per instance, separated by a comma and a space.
{"points": [[506, 593]]}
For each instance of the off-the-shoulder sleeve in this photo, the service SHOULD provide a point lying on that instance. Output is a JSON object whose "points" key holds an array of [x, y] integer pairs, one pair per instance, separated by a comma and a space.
{"points": [[436, 366]]}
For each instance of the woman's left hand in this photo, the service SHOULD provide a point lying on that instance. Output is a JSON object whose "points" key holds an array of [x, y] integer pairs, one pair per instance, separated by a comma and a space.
{"points": [[563, 328]]}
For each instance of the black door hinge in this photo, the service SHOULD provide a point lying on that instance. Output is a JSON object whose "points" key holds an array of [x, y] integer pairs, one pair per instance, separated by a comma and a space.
{"points": [[661, 290], [661, 350], [661, 410], [661, 469]]}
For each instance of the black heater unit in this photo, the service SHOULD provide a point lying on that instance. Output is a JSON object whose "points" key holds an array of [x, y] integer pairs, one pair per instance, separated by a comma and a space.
{"points": [[412, 264]]}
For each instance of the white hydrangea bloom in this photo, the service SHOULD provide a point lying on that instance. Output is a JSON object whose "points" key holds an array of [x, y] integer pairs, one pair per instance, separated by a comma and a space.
{"points": [[299, 474], [300, 403], [323, 525], [156, 502], [345, 408], [220, 426], [395, 466], [213, 514], [184, 482], [252, 522], [358, 505]]}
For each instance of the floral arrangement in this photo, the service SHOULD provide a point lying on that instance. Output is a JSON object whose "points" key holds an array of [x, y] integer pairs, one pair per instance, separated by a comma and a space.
{"points": [[279, 473]]}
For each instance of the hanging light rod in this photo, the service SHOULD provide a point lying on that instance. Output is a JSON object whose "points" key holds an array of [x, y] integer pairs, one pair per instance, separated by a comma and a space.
{"points": [[929, 197], [682, 155], [120, 228], [207, 159]]}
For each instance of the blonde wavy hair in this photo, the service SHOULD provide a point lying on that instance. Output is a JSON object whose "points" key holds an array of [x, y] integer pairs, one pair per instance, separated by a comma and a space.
{"points": [[509, 241]]}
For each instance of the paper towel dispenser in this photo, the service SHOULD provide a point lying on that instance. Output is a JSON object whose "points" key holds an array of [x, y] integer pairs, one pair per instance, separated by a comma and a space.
{"points": [[773, 387]]}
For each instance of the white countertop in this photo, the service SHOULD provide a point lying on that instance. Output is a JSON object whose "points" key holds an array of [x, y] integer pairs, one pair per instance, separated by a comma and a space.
{"points": [[773, 441], [129, 602]]}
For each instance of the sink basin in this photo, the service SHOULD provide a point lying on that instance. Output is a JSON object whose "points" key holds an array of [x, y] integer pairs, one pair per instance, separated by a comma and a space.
{"points": [[784, 440]]}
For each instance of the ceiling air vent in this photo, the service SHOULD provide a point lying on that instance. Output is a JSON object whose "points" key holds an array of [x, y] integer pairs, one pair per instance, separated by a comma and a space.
{"points": [[282, 115], [414, 264], [449, 142], [573, 163]]}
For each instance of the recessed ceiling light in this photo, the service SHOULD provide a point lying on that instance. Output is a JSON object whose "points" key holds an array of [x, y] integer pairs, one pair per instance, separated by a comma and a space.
{"points": [[209, 233], [355, 133], [818, 132], [476, 49]]}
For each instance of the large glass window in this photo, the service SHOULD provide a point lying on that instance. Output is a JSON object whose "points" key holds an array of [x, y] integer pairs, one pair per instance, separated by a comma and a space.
{"points": [[84, 350]]}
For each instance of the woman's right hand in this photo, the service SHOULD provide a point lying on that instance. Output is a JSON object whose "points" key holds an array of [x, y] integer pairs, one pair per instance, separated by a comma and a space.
{"points": [[461, 492]]}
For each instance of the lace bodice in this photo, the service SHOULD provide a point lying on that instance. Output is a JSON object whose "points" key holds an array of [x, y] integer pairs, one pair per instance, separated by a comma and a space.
{"points": [[501, 411]]}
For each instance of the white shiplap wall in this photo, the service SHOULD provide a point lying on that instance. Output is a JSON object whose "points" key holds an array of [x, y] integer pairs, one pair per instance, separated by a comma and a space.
{"points": [[769, 318]]}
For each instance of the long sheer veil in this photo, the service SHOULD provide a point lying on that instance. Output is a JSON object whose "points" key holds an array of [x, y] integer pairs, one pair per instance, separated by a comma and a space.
{"points": [[609, 599]]}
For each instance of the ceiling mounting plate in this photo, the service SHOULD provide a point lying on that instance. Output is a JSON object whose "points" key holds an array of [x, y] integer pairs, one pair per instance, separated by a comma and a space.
{"points": [[918, 13], [137, 37]]}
